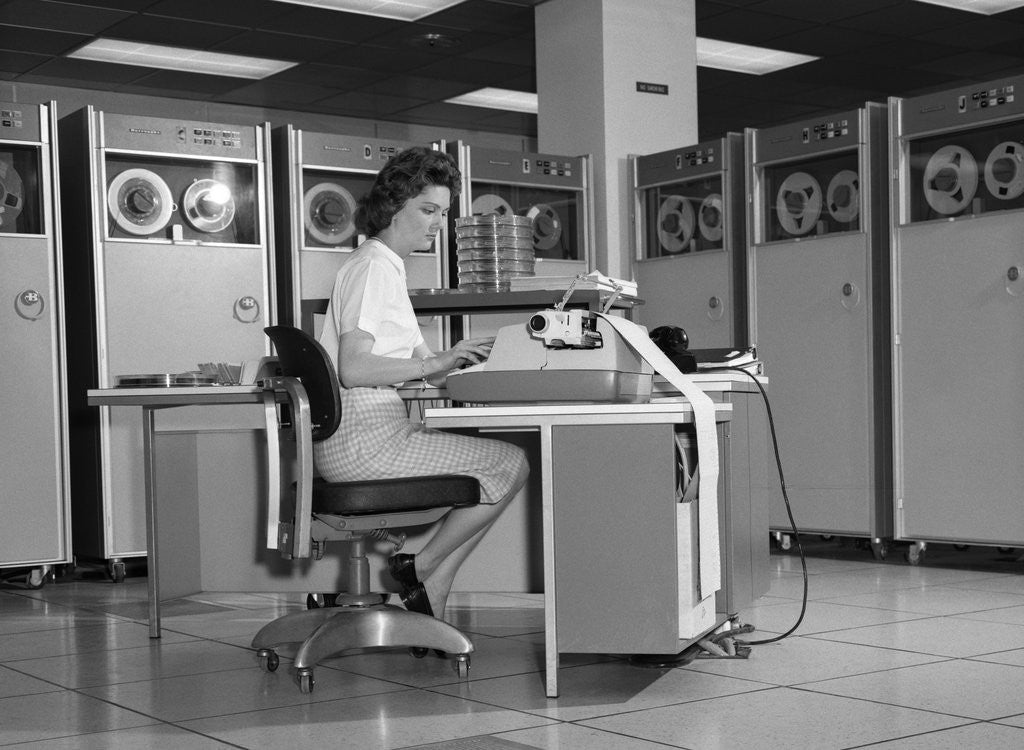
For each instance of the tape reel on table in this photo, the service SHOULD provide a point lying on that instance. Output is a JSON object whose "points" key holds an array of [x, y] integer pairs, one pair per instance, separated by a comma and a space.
{"points": [[676, 224], [12, 197], [950, 179], [140, 201], [208, 205], [842, 198], [710, 219], [547, 226], [488, 203], [1004, 170], [328, 211], [798, 203]]}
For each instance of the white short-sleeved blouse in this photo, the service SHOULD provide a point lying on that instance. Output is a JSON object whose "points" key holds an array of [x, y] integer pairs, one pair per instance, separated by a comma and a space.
{"points": [[370, 294]]}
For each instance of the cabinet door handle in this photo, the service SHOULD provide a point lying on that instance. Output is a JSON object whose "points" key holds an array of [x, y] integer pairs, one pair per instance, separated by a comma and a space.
{"points": [[27, 300], [247, 309]]}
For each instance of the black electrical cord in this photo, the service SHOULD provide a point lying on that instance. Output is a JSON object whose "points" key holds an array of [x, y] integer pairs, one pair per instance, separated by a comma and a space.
{"points": [[785, 497]]}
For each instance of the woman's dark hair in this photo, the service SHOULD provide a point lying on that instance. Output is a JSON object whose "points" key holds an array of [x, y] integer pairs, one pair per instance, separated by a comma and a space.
{"points": [[406, 175]]}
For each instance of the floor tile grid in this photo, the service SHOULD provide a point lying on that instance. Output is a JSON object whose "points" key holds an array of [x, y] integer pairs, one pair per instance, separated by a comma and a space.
{"points": [[605, 720]]}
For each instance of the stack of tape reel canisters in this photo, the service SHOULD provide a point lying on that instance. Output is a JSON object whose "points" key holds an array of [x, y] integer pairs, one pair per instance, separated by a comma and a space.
{"points": [[493, 249]]}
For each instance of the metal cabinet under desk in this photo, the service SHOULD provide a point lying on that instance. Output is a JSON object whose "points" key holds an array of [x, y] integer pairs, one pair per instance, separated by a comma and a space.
{"points": [[611, 538]]}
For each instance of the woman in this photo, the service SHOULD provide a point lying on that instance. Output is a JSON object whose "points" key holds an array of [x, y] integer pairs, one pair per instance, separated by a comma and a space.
{"points": [[374, 340]]}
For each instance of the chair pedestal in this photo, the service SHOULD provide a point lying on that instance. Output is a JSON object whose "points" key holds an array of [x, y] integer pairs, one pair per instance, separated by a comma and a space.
{"points": [[322, 633]]}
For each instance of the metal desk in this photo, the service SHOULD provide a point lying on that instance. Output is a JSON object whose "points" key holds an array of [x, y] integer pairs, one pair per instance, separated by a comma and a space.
{"points": [[151, 399], [545, 420]]}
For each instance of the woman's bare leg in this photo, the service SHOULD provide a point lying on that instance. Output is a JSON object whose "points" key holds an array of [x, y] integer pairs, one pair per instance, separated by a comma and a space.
{"points": [[460, 532]]}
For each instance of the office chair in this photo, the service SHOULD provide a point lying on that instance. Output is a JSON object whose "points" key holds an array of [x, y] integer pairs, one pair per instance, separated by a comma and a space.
{"points": [[346, 511]]}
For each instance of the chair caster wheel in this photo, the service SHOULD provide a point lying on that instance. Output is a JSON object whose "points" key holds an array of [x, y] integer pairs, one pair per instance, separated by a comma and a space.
{"points": [[306, 681], [461, 665], [418, 651], [268, 659]]}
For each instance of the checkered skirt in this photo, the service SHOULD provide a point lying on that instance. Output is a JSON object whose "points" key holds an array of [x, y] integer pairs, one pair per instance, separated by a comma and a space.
{"points": [[377, 440]]}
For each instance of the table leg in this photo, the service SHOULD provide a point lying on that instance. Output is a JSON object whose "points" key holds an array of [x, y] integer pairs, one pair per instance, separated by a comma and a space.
{"points": [[152, 573], [548, 518]]}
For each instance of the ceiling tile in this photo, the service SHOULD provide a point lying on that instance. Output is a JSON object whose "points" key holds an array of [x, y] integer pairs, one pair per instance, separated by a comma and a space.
{"points": [[94, 73], [749, 27], [907, 17], [329, 76], [171, 31], [16, 63], [279, 94], [279, 46], [43, 14], [175, 81], [38, 41], [327, 24], [248, 13], [971, 64], [486, 16]]}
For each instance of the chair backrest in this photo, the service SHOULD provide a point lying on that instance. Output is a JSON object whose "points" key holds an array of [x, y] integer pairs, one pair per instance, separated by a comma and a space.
{"points": [[304, 358]]}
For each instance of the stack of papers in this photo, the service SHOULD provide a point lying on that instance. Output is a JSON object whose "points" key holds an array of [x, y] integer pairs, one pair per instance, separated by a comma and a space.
{"points": [[593, 280]]}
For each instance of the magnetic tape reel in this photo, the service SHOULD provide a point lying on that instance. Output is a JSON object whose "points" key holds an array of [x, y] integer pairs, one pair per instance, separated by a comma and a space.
{"points": [[675, 224], [843, 196], [1004, 170], [208, 205], [11, 194], [488, 203], [329, 213], [140, 201], [950, 179], [709, 218], [547, 226], [798, 203]]}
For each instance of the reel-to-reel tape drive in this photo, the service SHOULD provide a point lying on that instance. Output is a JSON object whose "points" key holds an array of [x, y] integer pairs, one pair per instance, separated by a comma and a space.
{"points": [[180, 199], [967, 173], [690, 237], [819, 312], [957, 160]]}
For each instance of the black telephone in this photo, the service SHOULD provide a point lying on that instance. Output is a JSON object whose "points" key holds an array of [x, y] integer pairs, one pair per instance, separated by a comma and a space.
{"points": [[674, 342]]}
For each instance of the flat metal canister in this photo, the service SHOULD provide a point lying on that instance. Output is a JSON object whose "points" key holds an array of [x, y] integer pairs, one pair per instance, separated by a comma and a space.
{"points": [[164, 380]]}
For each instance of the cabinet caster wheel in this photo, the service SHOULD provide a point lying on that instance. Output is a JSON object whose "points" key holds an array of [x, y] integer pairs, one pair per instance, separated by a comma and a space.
{"points": [[880, 550], [461, 666], [117, 571], [269, 660], [915, 553], [306, 681], [36, 578], [418, 651]]}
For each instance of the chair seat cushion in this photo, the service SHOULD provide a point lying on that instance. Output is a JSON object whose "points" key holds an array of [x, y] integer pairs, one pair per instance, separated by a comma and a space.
{"points": [[395, 495]]}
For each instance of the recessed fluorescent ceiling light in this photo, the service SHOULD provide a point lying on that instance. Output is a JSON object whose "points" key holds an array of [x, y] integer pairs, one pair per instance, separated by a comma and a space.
{"points": [[515, 101], [179, 58], [402, 10], [742, 58], [986, 7]]}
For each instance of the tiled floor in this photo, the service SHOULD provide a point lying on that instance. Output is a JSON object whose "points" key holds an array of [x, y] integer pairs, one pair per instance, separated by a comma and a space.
{"points": [[888, 656]]}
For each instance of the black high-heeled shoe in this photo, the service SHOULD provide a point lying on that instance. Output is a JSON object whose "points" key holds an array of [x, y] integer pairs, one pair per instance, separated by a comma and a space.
{"points": [[403, 569], [415, 600]]}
